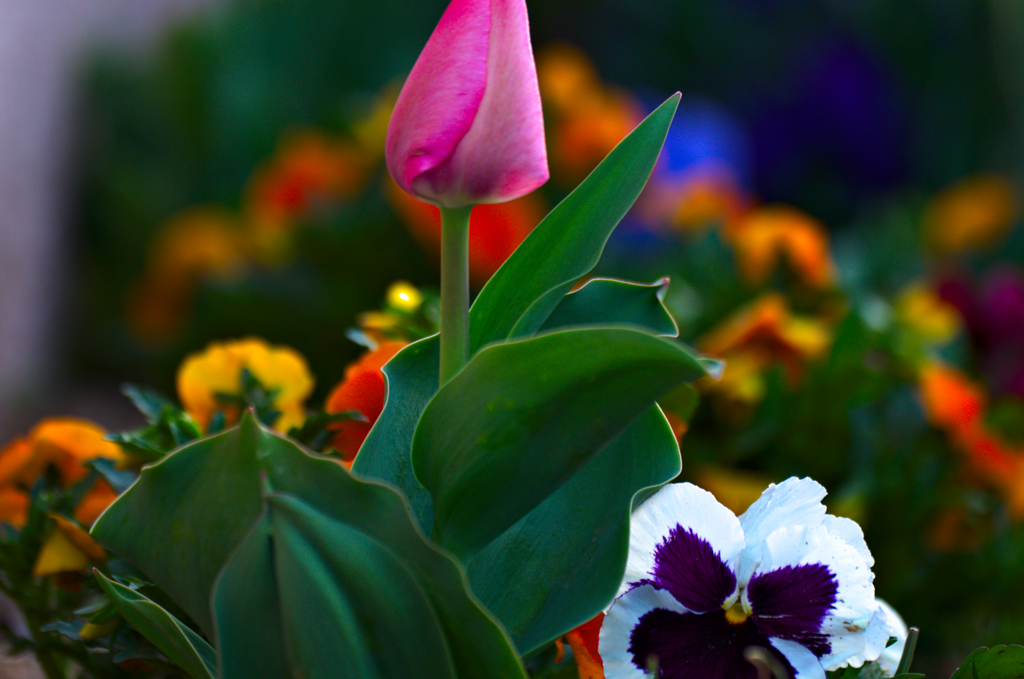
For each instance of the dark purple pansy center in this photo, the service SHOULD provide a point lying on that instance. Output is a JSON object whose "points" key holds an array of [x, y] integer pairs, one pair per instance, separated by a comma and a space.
{"points": [[692, 646], [792, 602], [788, 603], [692, 571]]}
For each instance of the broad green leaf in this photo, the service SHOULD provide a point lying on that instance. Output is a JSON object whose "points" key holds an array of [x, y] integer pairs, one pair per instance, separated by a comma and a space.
{"points": [[562, 563], [524, 416], [182, 518], [174, 639], [998, 662], [180, 524], [344, 600], [412, 377], [247, 607], [567, 244], [477, 644], [607, 301]]}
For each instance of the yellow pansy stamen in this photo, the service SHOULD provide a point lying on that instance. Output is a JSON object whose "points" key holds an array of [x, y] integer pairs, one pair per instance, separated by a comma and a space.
{"points": [[738, 613]]}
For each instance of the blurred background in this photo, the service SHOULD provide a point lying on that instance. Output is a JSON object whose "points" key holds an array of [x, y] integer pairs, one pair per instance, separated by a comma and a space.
{"points": [[837, 210]]}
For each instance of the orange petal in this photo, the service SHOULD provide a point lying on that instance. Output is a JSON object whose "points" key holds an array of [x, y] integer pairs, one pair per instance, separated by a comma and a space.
{"points": [[584, 643], [94, 502], [13, 506], [364, 390]]}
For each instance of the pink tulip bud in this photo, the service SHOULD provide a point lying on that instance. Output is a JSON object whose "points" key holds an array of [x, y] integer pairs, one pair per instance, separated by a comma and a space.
{"points": [[467, 127]]}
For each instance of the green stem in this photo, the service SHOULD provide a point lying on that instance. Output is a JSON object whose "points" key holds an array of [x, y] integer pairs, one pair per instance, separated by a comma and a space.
{"points": [[454, 290]]}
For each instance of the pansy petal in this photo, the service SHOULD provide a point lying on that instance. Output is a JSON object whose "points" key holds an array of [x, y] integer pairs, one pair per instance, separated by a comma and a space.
{"points": [[805, 664], [794, 502], [876, 636], [850, 532], [843, 626], [889, 659], [648, 622], [621, 620], [702, 527]]}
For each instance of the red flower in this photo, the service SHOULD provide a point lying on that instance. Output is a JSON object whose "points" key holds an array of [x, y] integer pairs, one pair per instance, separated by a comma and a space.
{"points": [[364, 390]]}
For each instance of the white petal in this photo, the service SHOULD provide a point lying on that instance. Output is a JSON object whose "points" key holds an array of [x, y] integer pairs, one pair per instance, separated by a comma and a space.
{"points": [[678, 504], [620, 621], [851, 533], [876, 635], [794, 502], [889, 659], [847, 621], [802, 660]]}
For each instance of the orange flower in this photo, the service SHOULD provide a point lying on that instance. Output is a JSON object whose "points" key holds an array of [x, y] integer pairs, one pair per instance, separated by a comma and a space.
{"points": [[584, 644], [203, 242], [769, 233], [954, 403], [951, 401], [766, 333], [707, 198], [973, 213], [64, 444], [364, 390], [587, 119], [13, 506], [217, 370], [307, 168], [495, 230]]}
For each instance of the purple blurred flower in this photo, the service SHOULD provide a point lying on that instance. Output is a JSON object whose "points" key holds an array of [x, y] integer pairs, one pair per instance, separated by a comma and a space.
{"points": [[841, 107], [702, 585], [994, 315]]}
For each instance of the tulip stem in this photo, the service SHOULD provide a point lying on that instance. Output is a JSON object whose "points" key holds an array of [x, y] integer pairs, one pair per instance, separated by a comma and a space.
{"points": [[454, 290]]}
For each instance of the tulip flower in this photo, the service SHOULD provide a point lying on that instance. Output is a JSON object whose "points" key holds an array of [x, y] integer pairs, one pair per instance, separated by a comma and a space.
{"points": [[467, 129]]}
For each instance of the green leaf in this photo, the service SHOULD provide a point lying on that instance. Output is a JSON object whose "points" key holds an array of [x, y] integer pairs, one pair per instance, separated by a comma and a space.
{"points": [[119, 479], [998, 662], [522, 417], [196, 511], [182, 518], [148, 402], [567, 244], [412, 377], [681, 402], [562, 563], [606, 301], [175, 640]]}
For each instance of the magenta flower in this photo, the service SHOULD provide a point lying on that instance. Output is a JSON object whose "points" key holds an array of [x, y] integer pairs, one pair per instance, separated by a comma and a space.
{"points": [[467, 128]]}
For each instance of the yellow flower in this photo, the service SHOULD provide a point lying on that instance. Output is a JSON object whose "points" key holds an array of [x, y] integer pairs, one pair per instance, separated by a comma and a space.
{"points": [[67, 549], [926, 314], [404, 297], [218, 370], [767, 333], [973, 213], [770, 233]]}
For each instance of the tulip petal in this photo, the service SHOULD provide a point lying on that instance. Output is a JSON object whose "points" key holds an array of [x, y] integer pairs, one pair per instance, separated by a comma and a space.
{"points": [[503, 156], [442, 94]]}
